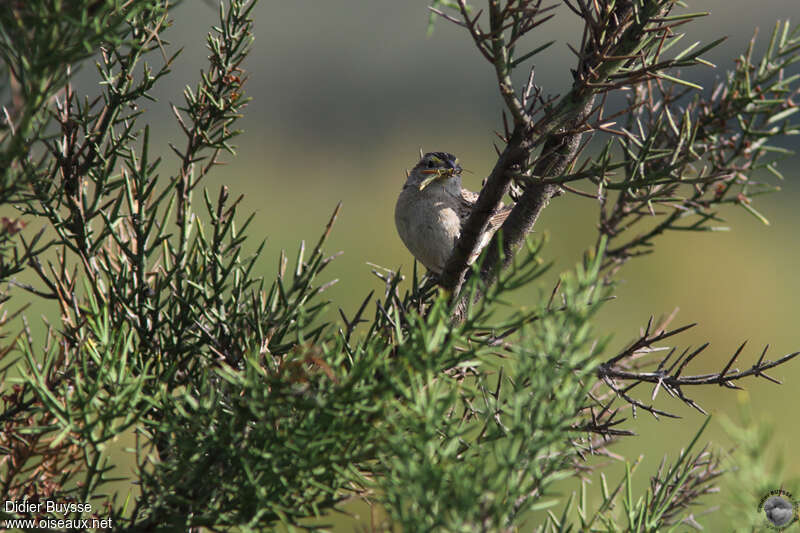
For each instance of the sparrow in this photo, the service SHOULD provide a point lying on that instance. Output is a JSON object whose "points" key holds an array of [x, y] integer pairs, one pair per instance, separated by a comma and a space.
{"points": [[433, 207]]}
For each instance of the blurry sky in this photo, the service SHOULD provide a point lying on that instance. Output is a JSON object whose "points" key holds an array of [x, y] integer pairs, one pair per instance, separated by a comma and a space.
{"points": [[346, 92]]}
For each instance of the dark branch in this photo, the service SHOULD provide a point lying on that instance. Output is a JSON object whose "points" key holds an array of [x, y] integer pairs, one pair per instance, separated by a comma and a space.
{"points": [[629, 365], [612, 42]]}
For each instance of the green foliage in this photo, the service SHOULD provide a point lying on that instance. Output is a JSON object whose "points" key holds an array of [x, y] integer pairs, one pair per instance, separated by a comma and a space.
{"points": [[476, 448], [38, 39], [243, 408], [687, 159], [662, 508]]}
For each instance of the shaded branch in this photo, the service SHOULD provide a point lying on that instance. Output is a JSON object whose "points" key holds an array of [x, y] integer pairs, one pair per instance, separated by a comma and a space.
{"points": [[612, 40]]}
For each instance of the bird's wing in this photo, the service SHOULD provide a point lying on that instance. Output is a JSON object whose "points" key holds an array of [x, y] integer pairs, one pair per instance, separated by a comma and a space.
{"points": [[498, 218], [468, 199]]}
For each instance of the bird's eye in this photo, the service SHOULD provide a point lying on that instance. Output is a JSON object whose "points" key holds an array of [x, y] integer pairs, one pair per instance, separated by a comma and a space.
{"points": [[430, 163]]}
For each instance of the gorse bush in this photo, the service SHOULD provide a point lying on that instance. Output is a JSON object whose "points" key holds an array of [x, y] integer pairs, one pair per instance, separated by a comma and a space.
{"points": [[435, 401]]}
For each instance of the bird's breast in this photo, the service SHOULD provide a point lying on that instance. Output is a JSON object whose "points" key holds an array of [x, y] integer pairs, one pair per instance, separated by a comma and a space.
{"points": [[428, 225]]}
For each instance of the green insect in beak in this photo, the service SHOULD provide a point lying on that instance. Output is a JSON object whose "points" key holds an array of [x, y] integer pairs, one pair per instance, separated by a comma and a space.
{"points": [[436, 174]]}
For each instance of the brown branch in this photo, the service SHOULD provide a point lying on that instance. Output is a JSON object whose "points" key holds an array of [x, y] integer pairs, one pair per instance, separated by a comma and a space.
{"points": [[560, 150], [558, 132], [497, 186], [623, 367]]}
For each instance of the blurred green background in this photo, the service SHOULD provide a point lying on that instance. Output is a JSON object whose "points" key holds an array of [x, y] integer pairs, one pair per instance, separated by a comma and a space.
{"points": [[344, 95]]}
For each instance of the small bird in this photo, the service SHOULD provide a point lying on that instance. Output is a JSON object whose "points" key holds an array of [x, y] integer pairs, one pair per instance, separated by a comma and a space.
{"points": [[433, 207]]}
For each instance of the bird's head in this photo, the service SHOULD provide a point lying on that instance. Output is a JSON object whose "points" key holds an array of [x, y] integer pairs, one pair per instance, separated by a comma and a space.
{"points": [[435, 167]]}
